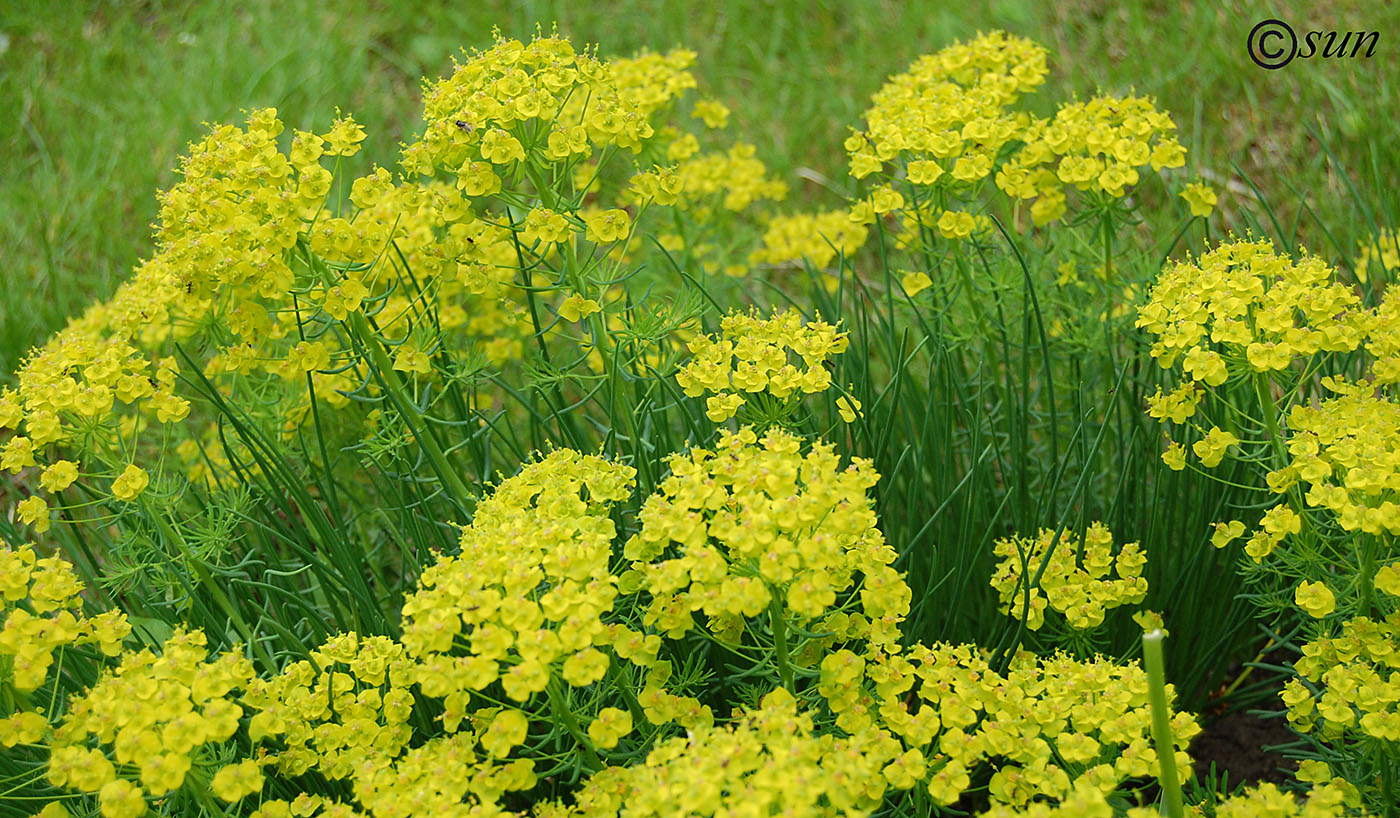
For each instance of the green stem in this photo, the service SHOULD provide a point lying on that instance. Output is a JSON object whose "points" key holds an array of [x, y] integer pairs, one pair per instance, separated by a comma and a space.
{"points": [[1161, 724], [779, 624], [207, 580], [393, 387], [565, 716], [1270, 413], [1368, 572], [1387, 781], [619, 680]]}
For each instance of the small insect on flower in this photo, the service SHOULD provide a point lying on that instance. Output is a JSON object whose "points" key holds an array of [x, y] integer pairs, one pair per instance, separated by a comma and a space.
{"points": [[464, 125]]}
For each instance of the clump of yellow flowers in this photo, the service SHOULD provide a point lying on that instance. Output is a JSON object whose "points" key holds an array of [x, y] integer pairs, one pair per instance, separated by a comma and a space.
{"points": [[1288, 380], [639, 612], [1050, 724], [1082, 579], [1241, 307], [525, 597], [752, 359], [756, 527]]}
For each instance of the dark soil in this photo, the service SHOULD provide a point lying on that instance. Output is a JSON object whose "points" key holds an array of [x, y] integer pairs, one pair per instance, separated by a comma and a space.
{"points": [[1234, 742]]}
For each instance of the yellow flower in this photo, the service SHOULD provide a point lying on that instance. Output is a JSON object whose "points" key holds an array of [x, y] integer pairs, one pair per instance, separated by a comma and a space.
{"points": [[1211, 448], [59, 476], [34, 511], [956, 224], [848, 407], [1315, 598], [120, 798], [1388, 579], [577, 308], [499, 147], [237, 781], [915, 283], [130, 483], [610, 726], [723, 406], [885, 199], [507, 730], [345, 137], [924, 171], [1201, 199], [410, 358], [1174, 456], [607, 226], [1226, 533], [585, 667], [712, 112]]}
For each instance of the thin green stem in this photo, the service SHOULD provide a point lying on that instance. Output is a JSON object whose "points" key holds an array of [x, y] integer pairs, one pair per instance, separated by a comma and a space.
{"points": [[394, 388], [1161, 723], [779, 625], [560, 710]]}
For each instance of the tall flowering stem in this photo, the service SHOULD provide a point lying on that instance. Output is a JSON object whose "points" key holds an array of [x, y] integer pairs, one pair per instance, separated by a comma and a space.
{"points": [[1161, 723]]}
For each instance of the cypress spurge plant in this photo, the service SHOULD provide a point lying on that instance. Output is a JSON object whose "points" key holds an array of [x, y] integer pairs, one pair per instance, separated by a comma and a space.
{"points": [[558, 471]]}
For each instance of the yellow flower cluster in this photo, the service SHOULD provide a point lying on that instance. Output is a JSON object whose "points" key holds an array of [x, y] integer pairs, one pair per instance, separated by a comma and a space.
{"points": [[1082, 579], [1383, 345], [754, 526], [1095, 146], [732, 180], [224, 260], [350, 702], [769, 761], [1350, 681], [1044, 726], [1330, 799], [42, 614], [815, 237], [153, 712], [755, 356], [1382, 251], [539, 102], [1346, 450], [1241, 307], [525, 599], [947, 112], [444, 776]]}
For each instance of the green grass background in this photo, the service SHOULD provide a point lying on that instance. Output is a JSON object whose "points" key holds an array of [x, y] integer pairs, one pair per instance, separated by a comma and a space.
{"points": [[98, 100]]}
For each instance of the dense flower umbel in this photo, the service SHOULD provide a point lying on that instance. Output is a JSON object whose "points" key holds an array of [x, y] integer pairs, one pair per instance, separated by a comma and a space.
{"points": [[527, 597], [780, 357], [1243, 308], [1350, 681], [757, 524], [1096, 147], [1082, 580], [1327, 800], [1045, 725], [1346, 451], [540, 102], [351, 704], [947, 112], [41, 607], [815, 237], [151, 714], [732, 180], [770, 761]]}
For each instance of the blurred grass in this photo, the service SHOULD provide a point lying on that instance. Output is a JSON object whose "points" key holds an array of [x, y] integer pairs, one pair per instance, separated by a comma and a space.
{"points": [[100, 99]]}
